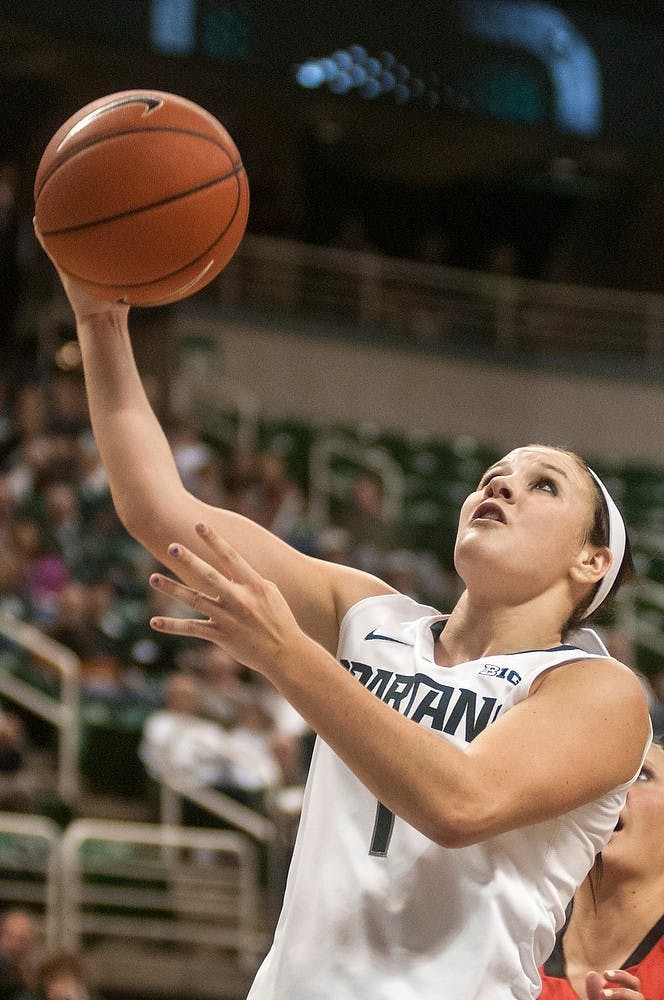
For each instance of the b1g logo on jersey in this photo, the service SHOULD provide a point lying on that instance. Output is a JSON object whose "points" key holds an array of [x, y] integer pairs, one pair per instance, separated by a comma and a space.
{"points": [[501, 673]]}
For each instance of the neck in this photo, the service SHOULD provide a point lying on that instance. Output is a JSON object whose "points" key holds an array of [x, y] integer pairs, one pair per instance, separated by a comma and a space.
{"points": [[476, 629], [605, 935]]}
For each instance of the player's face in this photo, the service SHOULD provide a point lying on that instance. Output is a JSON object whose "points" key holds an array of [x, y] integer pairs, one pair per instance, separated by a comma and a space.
{"points": [[637, 845], [525, 524]]}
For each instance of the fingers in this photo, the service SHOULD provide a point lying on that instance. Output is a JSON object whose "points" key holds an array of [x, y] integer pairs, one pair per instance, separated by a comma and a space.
{"points": [[203, 603], [226, 565], [191, 628], [241, 611], [227, 559], [212, 591], [594, 986], [620, 985]]}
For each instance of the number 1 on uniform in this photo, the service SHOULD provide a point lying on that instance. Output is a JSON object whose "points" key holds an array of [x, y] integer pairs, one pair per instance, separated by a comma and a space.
{"points": [[382, 832]]}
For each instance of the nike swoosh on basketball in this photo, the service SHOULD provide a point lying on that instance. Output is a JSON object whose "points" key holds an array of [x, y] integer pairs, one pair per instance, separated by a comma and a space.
{"points": [[386, 638]]}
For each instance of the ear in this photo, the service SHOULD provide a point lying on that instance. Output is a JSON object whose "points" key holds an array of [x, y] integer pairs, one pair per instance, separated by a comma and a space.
{"points": [[591, 565]]}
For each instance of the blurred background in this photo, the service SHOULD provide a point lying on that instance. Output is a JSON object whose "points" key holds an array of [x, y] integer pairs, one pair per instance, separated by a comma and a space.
{"points": [[453, 248]]}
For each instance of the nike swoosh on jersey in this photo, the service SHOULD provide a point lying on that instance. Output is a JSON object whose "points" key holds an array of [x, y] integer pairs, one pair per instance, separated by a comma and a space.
{"points": [[386, 638]]}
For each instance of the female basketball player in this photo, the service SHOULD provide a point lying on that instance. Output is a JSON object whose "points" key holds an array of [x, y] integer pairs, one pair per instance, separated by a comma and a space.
{"points": [[460, 791]]}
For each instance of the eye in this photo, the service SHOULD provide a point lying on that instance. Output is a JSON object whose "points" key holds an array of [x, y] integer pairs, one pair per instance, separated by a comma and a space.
{"points": [[645, 774], [546, 484]]}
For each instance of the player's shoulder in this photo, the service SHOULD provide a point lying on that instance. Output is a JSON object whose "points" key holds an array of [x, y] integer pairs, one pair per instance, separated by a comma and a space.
{"points": [[601, 678]]}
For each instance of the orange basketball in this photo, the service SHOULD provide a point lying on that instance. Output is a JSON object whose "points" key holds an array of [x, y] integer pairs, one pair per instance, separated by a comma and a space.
{"points": [[141, 196]]}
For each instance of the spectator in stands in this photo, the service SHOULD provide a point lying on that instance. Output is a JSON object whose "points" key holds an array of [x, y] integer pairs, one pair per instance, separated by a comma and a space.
{"points": [[371, 532], [198, 464], [242, 701], [91, 474], [178, 741], [617, 919], [29, 464], [261, 487], [13, 598], [157, 656], [281, 497], [241, 480], [226, 686], [63, 976], [63, 521], [42, 573], [175, 737], [85, 622], [20, 945]]}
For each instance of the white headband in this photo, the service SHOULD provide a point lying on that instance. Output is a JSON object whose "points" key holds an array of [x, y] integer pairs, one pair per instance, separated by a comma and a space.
{"points": [[617, 539]]}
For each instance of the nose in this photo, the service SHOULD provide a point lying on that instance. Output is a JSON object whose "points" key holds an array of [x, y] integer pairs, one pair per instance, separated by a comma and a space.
{"points": [[500, 486]]}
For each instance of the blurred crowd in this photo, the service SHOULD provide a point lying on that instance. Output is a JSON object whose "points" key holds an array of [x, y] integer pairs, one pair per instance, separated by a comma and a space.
{"points": [[68, 566]]}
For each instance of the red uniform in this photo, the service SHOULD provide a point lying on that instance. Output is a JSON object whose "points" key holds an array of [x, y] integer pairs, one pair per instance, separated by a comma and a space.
{"points": [[646, 963]]}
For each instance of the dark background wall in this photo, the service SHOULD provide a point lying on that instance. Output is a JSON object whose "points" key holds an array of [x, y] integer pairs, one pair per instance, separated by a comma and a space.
{"points": [[480, 159]]}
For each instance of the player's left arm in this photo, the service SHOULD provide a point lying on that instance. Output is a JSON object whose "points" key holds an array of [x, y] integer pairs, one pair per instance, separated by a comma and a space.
{"points": [[581, 731]]}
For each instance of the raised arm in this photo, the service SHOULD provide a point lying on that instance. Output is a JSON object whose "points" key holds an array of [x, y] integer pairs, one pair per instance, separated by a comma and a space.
{"points": [[149, 495]]}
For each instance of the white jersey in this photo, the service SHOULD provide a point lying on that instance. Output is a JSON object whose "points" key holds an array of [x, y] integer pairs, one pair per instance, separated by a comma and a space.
{"points": [[373, 909]]}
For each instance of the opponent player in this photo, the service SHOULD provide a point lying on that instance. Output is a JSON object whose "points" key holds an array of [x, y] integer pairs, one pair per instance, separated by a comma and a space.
{"points": [[468, 768], [617, 922]]}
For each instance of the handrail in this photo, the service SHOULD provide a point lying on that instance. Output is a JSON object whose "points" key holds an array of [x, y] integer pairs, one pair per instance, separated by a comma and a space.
{"points": [[171, 839], [173, 788], [428, 305], [41, 828], [62, 712]]}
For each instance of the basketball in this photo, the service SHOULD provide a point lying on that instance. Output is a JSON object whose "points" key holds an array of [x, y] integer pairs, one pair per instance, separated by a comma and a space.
{"points": [[142, 197]]}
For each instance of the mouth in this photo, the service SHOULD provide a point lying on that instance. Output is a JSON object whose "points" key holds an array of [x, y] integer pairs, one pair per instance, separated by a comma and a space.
{"points": [[489, 511], [619, 825]]}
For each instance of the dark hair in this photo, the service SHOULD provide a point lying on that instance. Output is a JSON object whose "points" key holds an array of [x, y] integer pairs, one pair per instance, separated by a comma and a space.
{"points": [[598, 534]]}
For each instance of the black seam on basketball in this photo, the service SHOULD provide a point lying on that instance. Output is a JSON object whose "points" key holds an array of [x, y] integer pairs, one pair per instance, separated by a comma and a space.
{"points": [[130, 131], [170, 274], [79, 227]]}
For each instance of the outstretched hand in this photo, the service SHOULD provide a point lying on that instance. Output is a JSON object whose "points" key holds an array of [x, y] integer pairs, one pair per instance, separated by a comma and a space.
{"points": [[621, 985], [240, 611], [82, 303]]}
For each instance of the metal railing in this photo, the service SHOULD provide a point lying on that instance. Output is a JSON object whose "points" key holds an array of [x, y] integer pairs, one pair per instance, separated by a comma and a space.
{"points": [[61, 712], [155, 909], [29, 852], [173, 788], [430, 305], [121, 896]]}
